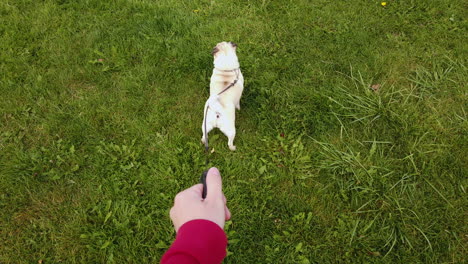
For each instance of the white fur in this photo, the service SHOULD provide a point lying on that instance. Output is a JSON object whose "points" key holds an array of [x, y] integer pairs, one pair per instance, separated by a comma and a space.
{"points": [[221, 108]]}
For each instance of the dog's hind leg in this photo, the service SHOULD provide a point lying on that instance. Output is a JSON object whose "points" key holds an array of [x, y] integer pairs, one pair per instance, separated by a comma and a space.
{"points": [[207, 124], [229, 129], [231, 137], [230, 134], [209, 127]]}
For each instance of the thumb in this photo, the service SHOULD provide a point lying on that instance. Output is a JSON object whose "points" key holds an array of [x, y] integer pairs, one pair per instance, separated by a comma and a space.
{"points": [[214, 185]]}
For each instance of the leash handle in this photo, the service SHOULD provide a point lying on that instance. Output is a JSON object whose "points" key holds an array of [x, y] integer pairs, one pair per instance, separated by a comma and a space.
{"points": [[203, 181]]}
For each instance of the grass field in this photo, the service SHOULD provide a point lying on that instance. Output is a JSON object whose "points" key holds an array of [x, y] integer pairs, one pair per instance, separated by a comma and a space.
{"points": [[351, 144]]}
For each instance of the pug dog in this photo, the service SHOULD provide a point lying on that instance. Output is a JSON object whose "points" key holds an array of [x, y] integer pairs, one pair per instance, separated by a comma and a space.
{"points": [[226, 86]]}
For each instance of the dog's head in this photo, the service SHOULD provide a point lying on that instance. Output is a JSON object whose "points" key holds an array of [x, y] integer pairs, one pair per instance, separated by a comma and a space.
{"points": [[224, 48], [224, 54]]}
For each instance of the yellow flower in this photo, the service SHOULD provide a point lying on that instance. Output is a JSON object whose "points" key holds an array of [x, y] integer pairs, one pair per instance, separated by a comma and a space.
{"points": [[383, 3], [196, 11]]}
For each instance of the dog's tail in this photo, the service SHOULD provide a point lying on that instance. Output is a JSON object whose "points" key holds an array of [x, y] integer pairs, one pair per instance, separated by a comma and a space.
{"points": [[214, 104]]}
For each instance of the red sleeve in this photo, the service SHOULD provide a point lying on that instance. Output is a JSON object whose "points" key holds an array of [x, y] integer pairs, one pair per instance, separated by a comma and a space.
{"points": [[197, 242]]}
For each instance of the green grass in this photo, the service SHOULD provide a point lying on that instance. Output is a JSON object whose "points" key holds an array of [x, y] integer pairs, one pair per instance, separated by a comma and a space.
{"points": [[100, 126]]}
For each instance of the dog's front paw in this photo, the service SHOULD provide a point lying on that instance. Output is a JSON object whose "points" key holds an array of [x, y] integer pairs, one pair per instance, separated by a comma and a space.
{"points": [[233, 148], [203, 140]]}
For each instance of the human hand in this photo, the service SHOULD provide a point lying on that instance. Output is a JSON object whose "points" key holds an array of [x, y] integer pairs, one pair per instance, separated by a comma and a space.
{"points": [[189, 204]]}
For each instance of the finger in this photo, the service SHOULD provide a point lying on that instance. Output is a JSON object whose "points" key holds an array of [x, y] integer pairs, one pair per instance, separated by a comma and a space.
{"points": [[196, 189], [214, 185], [227, 213], [194, 192]]}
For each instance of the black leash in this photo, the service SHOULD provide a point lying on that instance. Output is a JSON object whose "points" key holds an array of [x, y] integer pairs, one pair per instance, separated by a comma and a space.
{"points": [[207, 161], [205, 173]]}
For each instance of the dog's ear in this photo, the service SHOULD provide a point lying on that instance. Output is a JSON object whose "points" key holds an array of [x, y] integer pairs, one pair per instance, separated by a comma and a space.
{"points": [[234, 45], [214, 51]]}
